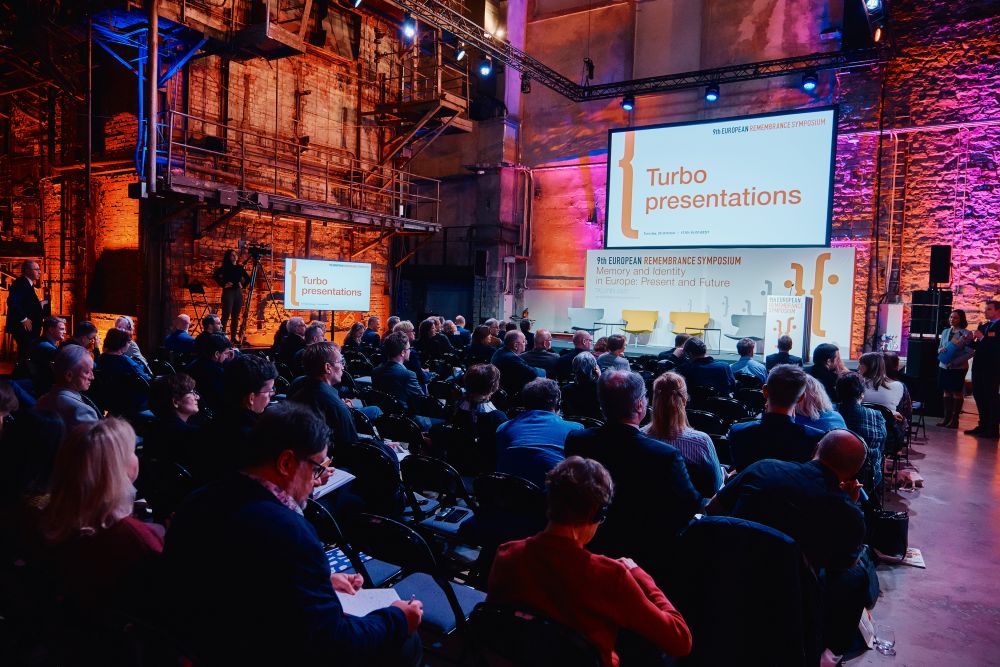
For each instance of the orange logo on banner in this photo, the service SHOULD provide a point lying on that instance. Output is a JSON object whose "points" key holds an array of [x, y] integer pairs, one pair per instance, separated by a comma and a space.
{"points": [[626, 164], [787, 329], [817, 291], [293, 298]]}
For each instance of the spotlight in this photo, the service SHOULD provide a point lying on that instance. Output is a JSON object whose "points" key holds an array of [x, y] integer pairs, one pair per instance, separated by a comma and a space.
{"points": [[809, 82], [588, 64], [525, 84], [500, 32], [460, 51], [357, 3], [877, 34], [409, 27], [873, 5], [485, 66], [712, 93], [628, 102]]}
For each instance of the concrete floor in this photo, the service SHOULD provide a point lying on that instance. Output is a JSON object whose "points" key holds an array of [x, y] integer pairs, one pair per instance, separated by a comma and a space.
{"points": [[949, 613]]}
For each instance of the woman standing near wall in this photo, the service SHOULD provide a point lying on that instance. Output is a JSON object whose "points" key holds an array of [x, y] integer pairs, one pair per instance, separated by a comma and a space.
{"points": [[953, 358], [232, 278]]}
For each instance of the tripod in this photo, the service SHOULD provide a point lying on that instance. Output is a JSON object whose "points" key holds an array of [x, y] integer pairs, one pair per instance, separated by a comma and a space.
{"points": [[254, 273]]}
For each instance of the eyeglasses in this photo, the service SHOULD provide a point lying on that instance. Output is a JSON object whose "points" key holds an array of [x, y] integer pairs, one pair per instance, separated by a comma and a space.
{"points": [[339, 362], [318, 468], [270, 392], [192, 393]]}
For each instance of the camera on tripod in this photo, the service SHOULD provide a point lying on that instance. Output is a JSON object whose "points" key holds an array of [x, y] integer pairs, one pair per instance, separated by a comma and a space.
{"points": [[258, 250]]}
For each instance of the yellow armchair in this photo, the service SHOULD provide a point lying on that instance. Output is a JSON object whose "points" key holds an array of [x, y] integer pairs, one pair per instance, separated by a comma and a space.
{"points": [[689, 320], [640, 322]]}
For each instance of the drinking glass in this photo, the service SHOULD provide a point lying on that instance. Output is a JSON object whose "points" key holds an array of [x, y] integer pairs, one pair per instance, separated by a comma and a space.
{"points": [[885, 639]]}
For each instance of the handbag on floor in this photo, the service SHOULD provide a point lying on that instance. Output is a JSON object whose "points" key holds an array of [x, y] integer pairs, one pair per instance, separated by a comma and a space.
{"points": [[888, 535]]}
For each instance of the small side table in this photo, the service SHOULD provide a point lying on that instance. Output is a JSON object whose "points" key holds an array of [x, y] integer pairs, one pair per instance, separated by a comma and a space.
{"points": [[702, 331], [609, 326]]}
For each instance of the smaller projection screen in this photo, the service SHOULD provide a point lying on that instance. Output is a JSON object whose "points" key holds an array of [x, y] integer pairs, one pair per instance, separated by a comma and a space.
{"points": [[318, 284], [753, 181]]}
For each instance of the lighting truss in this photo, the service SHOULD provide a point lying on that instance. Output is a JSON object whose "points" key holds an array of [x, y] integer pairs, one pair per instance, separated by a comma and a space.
{"points": [[437, 13]]}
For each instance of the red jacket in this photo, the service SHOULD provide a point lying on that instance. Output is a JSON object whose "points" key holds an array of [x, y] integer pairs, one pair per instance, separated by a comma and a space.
{"points": [[594, 595]]}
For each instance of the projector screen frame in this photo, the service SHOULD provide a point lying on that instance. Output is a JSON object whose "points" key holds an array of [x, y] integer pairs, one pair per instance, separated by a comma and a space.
{"points": [[835, 108]]}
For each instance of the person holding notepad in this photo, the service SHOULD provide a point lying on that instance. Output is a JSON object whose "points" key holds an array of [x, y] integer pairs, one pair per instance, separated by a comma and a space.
{"points": [[246, 579]]}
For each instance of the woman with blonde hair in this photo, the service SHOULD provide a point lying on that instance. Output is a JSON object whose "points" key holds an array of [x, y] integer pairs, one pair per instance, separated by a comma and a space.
{"points": [[815, 409], [670, 425], [99, 551]]}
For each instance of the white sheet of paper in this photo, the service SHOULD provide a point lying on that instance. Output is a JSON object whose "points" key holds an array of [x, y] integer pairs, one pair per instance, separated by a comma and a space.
{"points": [[337, 480], [367, 600]]}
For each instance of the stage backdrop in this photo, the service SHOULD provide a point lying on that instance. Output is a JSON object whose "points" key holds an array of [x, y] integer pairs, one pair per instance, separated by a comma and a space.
{"points": [[723, 289]]}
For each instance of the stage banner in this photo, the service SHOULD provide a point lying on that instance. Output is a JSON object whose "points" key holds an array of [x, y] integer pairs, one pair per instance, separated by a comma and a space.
{"points": [[788, 316], [723, 289]]}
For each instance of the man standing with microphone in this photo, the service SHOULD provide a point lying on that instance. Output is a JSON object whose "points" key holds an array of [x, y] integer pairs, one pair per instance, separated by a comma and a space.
{"points": [[24, 310]]}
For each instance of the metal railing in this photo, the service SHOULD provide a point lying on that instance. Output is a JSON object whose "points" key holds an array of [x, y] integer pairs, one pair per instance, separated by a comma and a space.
{"points": [[253, 162]]}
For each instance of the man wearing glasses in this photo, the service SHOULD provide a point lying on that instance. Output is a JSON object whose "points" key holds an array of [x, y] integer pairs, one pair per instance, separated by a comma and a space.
{"points": [[246, 575], [986, 373]]}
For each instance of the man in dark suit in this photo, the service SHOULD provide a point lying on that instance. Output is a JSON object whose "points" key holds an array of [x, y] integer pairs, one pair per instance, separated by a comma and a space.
{"points": [[229, 533], [986, 373], [776, 435], [782, 356], [24, 310], [582, 341], [654, 498], [704, 371], [462, 331], [826, 362], [514, 371], [294, 341], [392, 376], [370, 336], [542, 356]]}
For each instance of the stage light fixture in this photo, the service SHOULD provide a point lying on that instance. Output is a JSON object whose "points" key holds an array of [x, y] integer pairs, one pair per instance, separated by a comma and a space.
{"points": [[712, 93], [525, 84], [485, 66], [877, 34], [357, 3], [809, 82], [499, 34], [409, 27], [873, 5], [628, 102], [460, 51]]}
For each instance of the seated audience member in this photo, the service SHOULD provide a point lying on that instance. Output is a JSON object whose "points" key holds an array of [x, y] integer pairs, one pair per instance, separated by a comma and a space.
{"points": [[494, 326], [314, 334], [670, 425], [211, 324], [371, 337], [556, 575], [894, 372], [462, 331], [879, 389], [541, 355], [414, 363], [869, 424], [84, 335], [429, 343], [179, 340], [113, 361], [655, 497], [514, 371], [43, 351], [815, 408], [293, 342], [704, 371], [208, 368], [102, 556], [324, 368], [451, 333], [531, 444], [480, 351], [72, 371], [582, 340], [529, 338], [826, 362], [352, 339], [671, 360], [390, 324], [392, 376], [747, 364], [278, 583], [580, 397], [601, 346], [509, 325], [174, 400], [614, 359], [782, 356], [814, 503], [124, 323], [776, 435], [477, 415], [123, 382]]}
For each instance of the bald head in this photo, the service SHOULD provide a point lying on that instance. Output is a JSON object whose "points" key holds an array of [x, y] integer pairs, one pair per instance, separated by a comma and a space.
{"points": [[182, 322], [543, 339], [514, 340], [843, 452], [582, 340]]}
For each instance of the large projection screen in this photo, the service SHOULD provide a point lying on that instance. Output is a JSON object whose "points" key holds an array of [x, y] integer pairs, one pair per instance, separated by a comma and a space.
{"points": [[317, 284], [744, 182]]}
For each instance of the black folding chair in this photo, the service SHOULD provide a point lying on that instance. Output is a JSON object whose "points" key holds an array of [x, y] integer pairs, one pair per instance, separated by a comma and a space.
{"points": [[729, 409], [588, 422], [527, 638], [460, 448], [753, 399], [363, 425], [427, 477], [447, 605], [699, 393], [375, 572], [376, 470], [747, 381], [360, 368], [163, 484], [700, 420], [401, 429], [390, 404]]}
